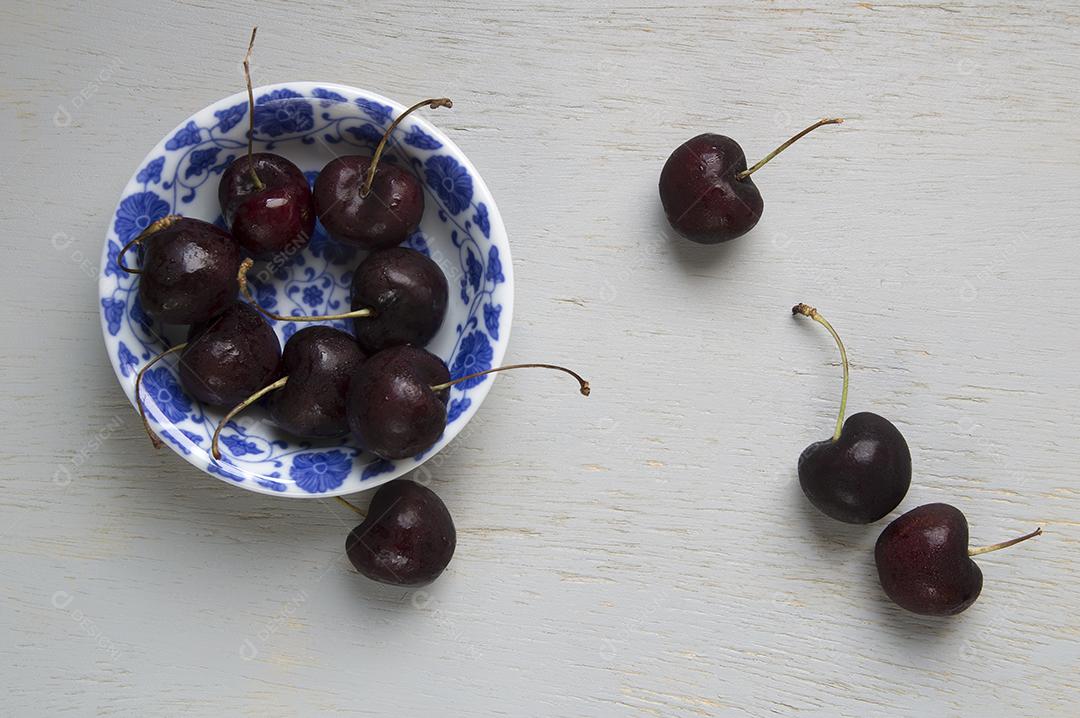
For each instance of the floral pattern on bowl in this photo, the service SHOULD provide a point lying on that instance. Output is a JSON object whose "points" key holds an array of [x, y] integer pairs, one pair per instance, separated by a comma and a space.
{"points": [[309, 123]]}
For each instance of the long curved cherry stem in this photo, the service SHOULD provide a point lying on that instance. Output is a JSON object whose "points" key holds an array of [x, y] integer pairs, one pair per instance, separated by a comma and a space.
{"points": [[1003, 544], [151, 229], [808, 311], [251, 108], [241, 277], [365, 190], [138, 398], [240, 407], [352, 506], [585, 389], [765, 160]]}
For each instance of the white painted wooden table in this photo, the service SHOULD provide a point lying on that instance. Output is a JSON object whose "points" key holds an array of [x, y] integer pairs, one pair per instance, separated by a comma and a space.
{"points": [[644, 552]]}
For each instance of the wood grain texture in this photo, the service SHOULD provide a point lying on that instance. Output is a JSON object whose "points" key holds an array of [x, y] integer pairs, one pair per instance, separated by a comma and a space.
{"points": [[645, 552]]}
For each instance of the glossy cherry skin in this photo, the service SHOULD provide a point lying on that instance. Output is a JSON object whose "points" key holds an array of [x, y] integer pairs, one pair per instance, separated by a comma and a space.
{"points": [[275, 220], [392, 410], [407, 538], [320, 363], [230, 357], [384, 218], [923, 563], [408, 293], [703, 199], [188, 272], [863, 475]]}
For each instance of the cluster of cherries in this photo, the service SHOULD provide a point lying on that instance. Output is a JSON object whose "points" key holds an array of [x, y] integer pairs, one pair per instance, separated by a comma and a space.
{"points": [[863, 471], [377, 384]]}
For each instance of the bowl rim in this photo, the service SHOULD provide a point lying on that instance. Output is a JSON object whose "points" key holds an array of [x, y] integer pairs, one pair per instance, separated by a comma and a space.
{"points": [[498, 234]]}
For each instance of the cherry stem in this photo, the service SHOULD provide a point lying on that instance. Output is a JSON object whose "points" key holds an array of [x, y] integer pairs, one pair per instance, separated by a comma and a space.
{"points": [[240, 407], [352, 506], [764, 160], [153, 228], [241, 277], [138, 398], [365, 190], [251, 108], [585, 389], [1004, 544], [807, 311]]}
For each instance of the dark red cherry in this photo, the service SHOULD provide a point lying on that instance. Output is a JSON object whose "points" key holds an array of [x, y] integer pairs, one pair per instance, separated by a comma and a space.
{"points": [[860, 476], [399, 297], [406, 293], [367, 204], [706, 189], [188, 270], [407, 537], [702, 196], [393, 411], [863, 472], [320, 363], [267, 205], [264, 197], [397, 401], [229, 357], [924, 562], [383, 218]]}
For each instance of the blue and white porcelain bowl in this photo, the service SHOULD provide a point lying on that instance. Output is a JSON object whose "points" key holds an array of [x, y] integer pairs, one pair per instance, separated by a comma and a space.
{"points": [[310, 123]]}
